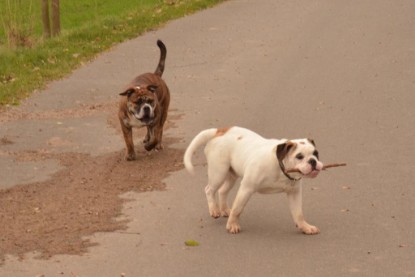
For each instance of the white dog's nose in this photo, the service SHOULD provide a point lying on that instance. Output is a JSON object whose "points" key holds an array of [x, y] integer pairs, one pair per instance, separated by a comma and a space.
{"points": [[313, 163]]}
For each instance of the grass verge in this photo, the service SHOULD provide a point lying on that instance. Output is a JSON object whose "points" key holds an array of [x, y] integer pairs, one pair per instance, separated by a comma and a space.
{"points": [[87, 30]]}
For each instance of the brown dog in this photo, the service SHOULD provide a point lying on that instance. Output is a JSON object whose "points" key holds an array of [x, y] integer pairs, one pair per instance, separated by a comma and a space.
{"points": [[145, 102]]}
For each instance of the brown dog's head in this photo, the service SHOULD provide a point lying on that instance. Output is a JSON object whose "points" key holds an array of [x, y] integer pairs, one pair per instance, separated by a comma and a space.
{"points": [[142, 102], [300, 154]]}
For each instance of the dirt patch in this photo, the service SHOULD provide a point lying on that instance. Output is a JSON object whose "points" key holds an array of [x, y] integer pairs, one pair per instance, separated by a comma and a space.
{"points": [[53, 217], [5, 141]]}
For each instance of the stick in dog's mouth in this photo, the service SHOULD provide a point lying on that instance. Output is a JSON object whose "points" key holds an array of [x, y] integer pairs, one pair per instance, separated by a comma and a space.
{"points": [[295, 170]]}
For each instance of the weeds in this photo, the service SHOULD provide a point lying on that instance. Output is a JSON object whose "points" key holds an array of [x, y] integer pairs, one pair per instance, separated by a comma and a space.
{"points": [[18, 23]]}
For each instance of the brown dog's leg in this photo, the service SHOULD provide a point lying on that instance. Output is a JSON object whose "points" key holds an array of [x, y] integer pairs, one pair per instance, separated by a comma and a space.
{"points": [[128, 137], [156, 135], [147, 137], [159, 135], [152, 139]]}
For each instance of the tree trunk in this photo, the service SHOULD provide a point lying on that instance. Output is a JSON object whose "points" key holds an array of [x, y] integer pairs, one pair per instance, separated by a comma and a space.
{"points": [[56, 21], [45, 18]]}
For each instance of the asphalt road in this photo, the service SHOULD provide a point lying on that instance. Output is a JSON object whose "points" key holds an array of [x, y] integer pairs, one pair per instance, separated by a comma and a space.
{"points": [[340, 72]]}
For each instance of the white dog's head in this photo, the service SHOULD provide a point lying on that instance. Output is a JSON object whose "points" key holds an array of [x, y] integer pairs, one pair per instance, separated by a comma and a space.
{"points": [[300, 154]]}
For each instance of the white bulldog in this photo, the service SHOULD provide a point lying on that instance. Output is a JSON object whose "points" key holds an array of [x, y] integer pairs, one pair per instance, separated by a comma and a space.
{"points": [[237, 152]]}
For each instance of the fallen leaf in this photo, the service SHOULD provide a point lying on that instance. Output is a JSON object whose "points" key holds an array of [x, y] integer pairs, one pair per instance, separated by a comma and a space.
{"points": [[191, 242]]}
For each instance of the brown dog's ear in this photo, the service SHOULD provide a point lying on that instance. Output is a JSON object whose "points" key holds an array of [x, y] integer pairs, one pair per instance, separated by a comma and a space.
{"points": [[128, 92], [152, 88], [311, 141], [283, 149]]}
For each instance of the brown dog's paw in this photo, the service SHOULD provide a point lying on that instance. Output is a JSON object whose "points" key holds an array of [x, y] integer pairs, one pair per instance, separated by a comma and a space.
{"points": [[159, 147], [148, 147], [153, 146], [130, 157]]}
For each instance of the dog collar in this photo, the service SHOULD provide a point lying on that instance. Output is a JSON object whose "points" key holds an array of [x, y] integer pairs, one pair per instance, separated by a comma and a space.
{"points": [[286, 174]]}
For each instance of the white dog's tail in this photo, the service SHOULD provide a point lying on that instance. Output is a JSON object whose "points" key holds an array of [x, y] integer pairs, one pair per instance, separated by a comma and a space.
{"points": [[202, 138]]}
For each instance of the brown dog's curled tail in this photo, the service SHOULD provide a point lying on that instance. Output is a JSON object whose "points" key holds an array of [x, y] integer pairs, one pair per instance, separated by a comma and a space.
{"points": [[163, 53]]}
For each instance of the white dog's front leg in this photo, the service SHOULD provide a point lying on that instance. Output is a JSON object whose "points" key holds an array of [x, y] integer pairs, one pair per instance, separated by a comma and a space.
{"points": [[239, 203], [295, 202]]}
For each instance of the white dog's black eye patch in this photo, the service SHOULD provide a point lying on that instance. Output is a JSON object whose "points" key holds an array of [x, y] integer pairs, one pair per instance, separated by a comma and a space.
{"points": [[315, 153], [299, 156]]}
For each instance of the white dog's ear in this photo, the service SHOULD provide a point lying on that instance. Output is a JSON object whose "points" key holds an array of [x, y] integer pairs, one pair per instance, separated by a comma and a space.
{"points": [[283, 149], [311, 141]]}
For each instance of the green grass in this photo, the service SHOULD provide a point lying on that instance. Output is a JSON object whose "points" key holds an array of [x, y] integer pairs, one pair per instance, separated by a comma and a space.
{"points": [[88, 28]]}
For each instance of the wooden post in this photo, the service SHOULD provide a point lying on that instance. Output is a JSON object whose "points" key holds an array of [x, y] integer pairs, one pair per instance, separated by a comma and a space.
{"points": [[45, 18], [56, 22]]}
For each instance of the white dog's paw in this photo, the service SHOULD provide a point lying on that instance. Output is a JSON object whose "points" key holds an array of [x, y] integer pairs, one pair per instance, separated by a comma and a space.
{"points": [[225, 212], [309, 229], [233, 228], [215, 213]]}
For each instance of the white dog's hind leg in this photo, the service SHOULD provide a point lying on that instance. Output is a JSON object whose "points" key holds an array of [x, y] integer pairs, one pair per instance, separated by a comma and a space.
{"points": [[295, 204], [212, 203], [216, 177], [223, 194], [242, 197]]}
